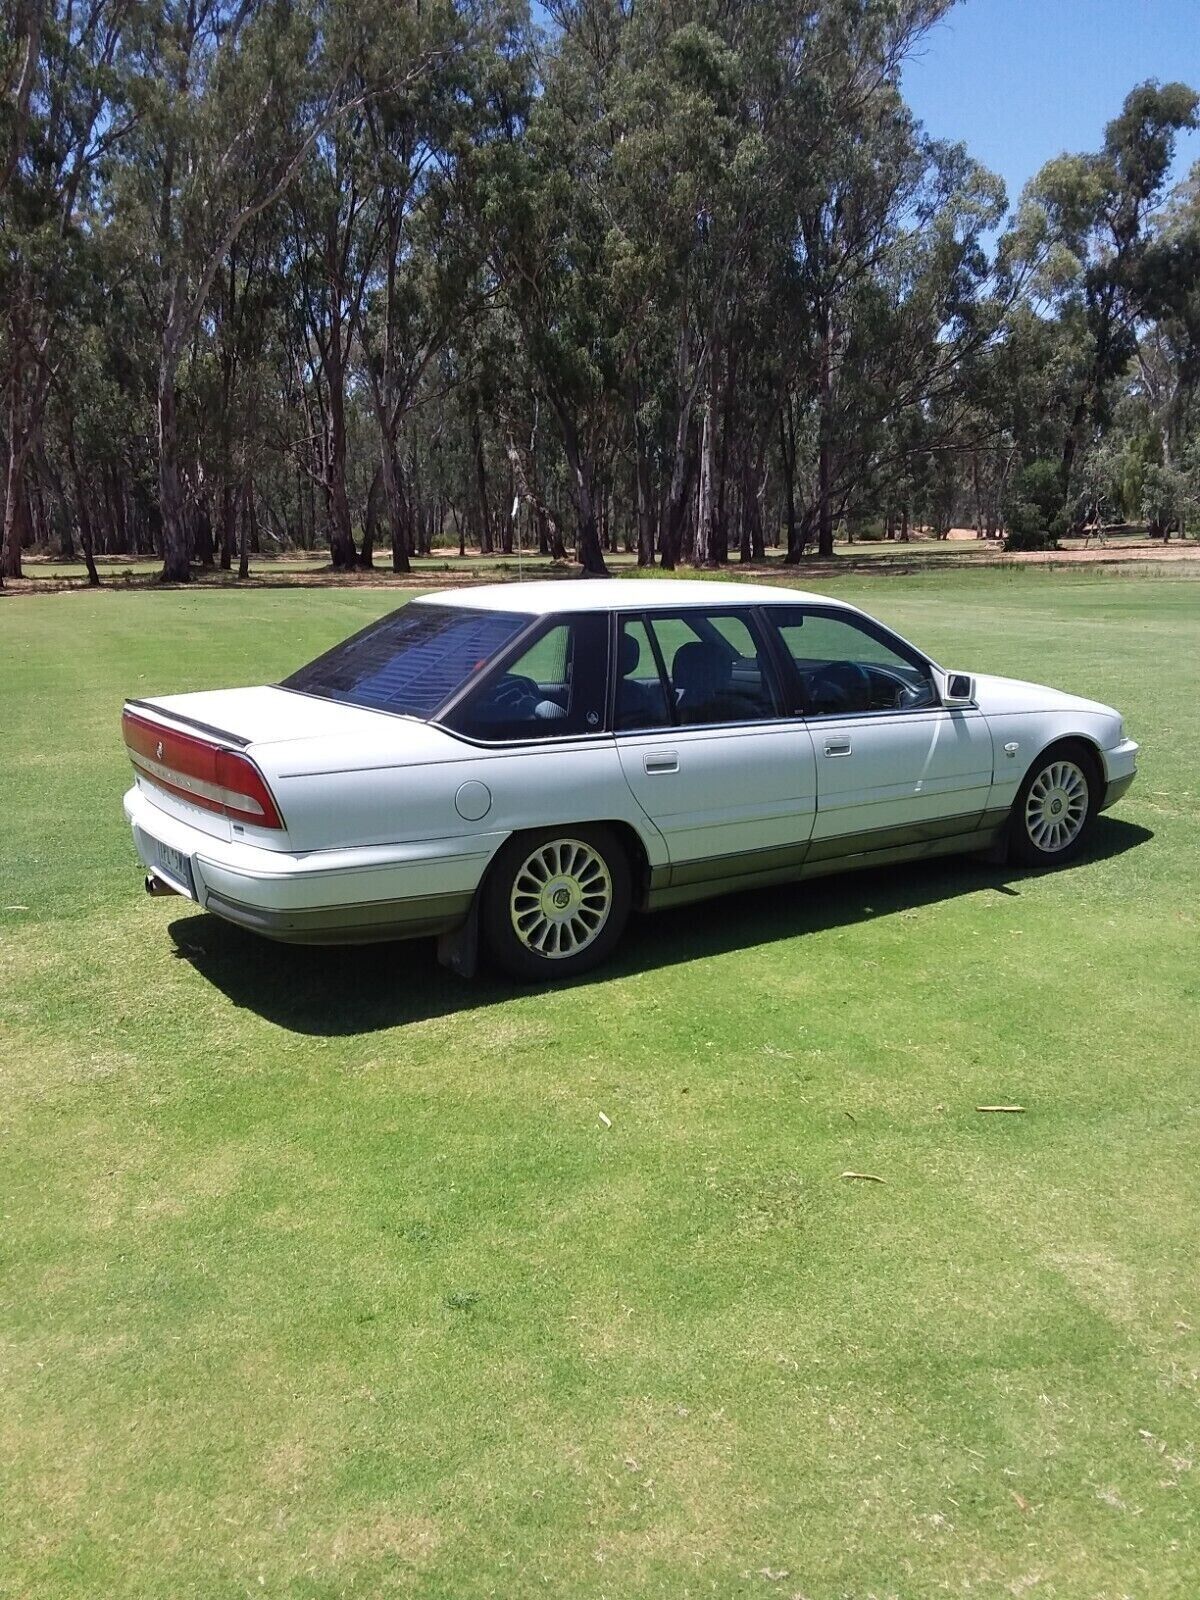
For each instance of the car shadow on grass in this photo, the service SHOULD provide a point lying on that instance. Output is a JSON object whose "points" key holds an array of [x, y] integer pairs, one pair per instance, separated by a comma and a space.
{"points": [[340, 990]]}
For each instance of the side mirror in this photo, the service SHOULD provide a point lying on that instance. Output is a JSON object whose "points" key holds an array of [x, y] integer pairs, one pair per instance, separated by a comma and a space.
{"points": [[959, 689]]}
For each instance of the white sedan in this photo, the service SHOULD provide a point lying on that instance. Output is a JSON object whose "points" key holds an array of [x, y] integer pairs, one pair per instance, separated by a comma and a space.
{"points": [[520, 766]]}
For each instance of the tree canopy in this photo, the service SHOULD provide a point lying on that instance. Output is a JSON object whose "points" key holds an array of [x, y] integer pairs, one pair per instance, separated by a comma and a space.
{"points": [[686, 278]]}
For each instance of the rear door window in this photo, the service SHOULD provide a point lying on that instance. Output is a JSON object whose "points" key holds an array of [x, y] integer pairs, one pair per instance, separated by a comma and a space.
{"points": [[716, 665]]}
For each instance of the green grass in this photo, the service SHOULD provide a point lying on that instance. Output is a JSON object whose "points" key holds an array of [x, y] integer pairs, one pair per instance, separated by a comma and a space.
{"points": [[321, 1276]]}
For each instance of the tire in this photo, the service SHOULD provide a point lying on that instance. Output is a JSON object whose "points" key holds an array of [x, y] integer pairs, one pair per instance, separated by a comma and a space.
{"points": [[557, 887], [1055, 808]]}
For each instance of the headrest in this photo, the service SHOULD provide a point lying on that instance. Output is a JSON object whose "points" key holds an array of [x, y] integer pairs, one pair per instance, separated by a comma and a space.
{"points": [[701, 671], [629, 655]]}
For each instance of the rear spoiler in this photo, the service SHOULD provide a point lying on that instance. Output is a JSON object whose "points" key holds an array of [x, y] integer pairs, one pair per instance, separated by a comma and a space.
{"points": [[188, 722]]}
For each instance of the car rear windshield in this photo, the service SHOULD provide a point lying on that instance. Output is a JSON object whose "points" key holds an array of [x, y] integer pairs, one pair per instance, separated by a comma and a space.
{"points": [[411, 661]]}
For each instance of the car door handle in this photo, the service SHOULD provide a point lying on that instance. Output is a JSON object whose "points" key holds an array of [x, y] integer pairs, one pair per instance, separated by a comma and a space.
{"points": [[837, 747], [661, 761]]}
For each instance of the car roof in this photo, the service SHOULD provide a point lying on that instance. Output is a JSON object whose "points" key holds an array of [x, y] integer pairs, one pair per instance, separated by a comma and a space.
{"points": [[548, 597]]}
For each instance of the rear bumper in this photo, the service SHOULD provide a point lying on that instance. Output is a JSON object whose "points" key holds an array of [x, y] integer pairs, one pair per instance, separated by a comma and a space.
{"points": [[401, 891]]}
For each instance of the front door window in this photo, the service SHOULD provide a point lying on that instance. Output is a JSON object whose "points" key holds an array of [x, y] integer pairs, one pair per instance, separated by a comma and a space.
{"points": [[845, 666]]}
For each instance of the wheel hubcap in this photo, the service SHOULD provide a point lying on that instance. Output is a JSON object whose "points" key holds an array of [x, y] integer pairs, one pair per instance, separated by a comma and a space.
{"points": [[1057, 806], [561, 898]]}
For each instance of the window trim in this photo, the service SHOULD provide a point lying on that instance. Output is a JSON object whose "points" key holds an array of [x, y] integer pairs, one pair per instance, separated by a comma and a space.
{"points": [[538, 627], [869, 626]]}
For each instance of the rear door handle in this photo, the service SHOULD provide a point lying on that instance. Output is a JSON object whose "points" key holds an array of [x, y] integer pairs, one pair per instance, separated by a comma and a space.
{"points": [[661, 761], [837, 747]]}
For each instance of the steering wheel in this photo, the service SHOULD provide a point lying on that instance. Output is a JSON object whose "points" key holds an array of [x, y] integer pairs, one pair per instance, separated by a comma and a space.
{"points": [[515, 697], [839, 686]]}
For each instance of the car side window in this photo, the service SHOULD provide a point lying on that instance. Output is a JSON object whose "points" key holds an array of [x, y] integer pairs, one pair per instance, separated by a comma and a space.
{"points": [[716, 665], [845, 665], [553, 689], [641, 697]]}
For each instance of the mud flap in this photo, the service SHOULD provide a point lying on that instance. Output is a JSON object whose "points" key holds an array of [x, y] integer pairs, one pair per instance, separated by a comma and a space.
{"points": [[459, 951]]}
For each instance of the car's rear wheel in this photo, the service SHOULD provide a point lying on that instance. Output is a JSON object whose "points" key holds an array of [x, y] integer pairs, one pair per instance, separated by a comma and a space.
{"points": [[556, 902], [1054, 808]]}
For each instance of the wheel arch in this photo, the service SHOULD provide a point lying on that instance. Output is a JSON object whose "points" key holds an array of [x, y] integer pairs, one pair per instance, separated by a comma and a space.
{"points": [[634, 845], [1081, 743]]}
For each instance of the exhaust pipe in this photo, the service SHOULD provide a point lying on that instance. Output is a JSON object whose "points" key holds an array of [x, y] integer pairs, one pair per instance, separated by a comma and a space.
{"points": [[158, 886]]}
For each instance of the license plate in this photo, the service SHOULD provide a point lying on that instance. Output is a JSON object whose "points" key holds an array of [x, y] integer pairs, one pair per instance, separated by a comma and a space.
{"points": [[173, 864]]}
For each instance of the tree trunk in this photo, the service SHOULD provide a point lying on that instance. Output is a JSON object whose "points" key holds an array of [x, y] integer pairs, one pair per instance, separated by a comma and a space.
{"points": [[825, 518], [366, 557], [671, 541], [481, 486], [550, 539], [247, 521], [228, 519], [1070, 446], [645, 497], [177, 567], [580, 476], [14, 480], [203, 539], [83, 512], [798, 532], [397, 508], [705, 552], [14, 518]]}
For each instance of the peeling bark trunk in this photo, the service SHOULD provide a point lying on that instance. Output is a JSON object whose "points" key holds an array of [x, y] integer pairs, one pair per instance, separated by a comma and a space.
{"points": [[177, 566], [705, 553], [825, 519], [549, 533]]}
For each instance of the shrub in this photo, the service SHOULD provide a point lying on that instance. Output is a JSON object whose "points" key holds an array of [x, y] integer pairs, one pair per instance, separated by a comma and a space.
{"points": [[1033, 513]]}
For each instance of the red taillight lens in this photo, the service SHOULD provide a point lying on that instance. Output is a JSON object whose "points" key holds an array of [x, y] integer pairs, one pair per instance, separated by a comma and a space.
{"points": [[208, 775]]}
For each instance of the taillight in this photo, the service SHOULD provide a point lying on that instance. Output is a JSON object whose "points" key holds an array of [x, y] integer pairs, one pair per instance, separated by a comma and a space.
{"points": [[208, 775]]}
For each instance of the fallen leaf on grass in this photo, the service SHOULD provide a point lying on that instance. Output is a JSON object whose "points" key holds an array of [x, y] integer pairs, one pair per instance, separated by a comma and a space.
{"points": [[867, 1177]]}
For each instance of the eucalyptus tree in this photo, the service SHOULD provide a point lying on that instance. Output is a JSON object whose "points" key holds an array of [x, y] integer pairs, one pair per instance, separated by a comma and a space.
{"points": [[428, 287], [239, 93], [336, 237], [1167, 367], [1097, 210], [547, 240], [65, 106]]}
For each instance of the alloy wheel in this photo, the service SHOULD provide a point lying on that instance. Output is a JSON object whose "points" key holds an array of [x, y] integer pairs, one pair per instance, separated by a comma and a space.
{"points": [[561, 898], [1056, 806]]}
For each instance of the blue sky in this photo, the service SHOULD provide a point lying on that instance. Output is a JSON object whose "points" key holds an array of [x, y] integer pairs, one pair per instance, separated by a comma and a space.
{"points": [[1019, 81]]}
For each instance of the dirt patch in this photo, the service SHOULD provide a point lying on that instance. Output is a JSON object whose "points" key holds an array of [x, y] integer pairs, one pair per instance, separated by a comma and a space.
{"points": [[920, 555]]}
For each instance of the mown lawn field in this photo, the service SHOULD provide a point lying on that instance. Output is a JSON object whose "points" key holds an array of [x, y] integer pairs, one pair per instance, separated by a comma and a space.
{"points": [[320, 1274]]}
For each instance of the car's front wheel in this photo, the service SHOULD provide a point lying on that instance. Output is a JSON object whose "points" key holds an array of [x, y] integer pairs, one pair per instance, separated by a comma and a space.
{"points": [[1054, 808], [556, 902]]}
